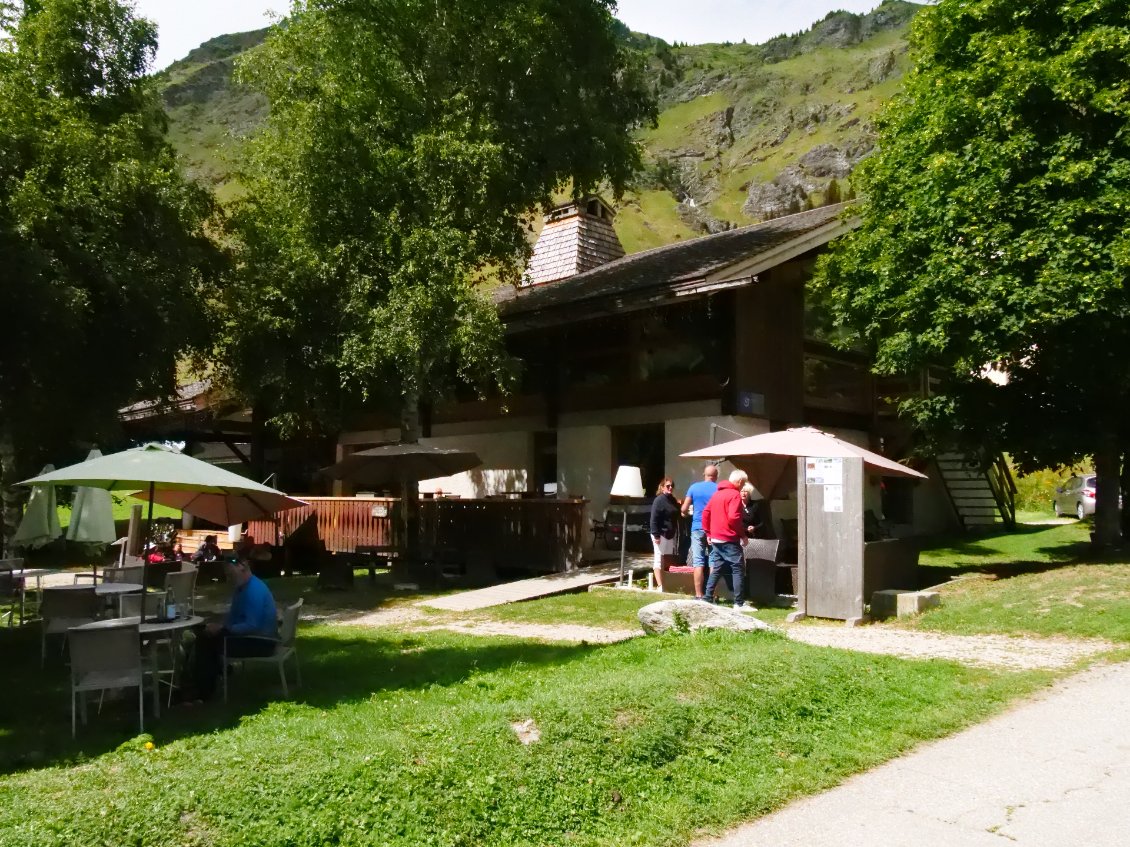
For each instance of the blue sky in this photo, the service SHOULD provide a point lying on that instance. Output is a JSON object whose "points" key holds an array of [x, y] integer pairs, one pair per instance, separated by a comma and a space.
{"points": [[184, 24]]}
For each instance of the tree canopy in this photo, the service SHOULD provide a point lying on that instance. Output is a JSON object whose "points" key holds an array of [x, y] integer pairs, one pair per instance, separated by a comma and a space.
{"points": [[407, 143], [995, 229], [108, 264]]}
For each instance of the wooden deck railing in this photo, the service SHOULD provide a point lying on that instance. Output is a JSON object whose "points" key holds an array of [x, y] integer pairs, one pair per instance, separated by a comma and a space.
{"points": [[343, 523], [536, 535]]}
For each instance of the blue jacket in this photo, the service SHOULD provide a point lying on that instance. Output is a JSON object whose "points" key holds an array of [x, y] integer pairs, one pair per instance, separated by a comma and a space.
{"points": [[252, 610]]}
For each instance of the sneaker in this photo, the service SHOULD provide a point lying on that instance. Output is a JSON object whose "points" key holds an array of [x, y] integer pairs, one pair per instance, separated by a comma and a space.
{"points": [[744, 608]]}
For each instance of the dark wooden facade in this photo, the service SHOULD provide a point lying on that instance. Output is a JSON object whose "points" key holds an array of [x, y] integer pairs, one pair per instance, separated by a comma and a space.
{"points": [[751, 349]]}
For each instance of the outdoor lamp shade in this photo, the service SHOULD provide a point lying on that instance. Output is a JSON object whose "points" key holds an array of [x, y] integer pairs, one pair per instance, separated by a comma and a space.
{"points": [[627, 483]]}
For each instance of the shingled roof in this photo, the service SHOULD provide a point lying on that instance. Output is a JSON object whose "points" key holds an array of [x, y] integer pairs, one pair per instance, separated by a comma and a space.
{"points": [[638, 275]]}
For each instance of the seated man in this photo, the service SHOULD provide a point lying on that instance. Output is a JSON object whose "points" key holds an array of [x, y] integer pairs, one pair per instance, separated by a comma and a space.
{"points": [[250, 626], [209, 551]]}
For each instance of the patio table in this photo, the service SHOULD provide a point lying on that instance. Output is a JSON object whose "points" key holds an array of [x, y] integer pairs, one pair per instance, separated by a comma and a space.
{"points": [[151, 629], [104, 589]]}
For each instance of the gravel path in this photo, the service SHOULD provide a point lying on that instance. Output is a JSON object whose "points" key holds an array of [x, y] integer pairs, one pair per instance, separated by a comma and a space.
{"points": [[994, 651]]}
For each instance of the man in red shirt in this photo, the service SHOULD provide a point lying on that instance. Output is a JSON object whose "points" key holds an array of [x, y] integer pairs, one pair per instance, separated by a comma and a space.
{"points": [[726, 532]]}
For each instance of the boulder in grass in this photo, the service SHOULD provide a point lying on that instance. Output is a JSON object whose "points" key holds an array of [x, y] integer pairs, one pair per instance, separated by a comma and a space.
{"points": [[693, 615]]}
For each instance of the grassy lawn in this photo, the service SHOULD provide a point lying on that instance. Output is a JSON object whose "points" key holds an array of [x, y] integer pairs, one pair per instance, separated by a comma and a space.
{"points": [[1036, 580], [401, 737], [406, 739]]}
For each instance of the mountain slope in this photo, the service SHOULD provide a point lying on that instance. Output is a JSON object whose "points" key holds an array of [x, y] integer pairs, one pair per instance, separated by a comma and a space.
{"points": [[746, 132]]}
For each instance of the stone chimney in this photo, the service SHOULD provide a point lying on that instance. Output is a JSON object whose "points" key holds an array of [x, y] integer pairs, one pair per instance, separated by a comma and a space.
{"points": [[577, 237]]}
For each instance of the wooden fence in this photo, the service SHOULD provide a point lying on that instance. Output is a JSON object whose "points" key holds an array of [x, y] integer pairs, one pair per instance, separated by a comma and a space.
{"points": [[534, 535]]}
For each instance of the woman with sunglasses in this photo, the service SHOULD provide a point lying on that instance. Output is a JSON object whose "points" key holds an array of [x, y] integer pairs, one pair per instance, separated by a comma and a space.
{"points": [[664, 520]]}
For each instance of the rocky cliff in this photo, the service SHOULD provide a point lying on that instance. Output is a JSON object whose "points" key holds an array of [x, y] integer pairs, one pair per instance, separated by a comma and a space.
{"points": [[746, 131]]}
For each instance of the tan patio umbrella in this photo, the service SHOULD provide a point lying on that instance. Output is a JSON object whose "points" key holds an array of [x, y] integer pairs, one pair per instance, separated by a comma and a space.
{"points": [[769, 459], [402, 463]]}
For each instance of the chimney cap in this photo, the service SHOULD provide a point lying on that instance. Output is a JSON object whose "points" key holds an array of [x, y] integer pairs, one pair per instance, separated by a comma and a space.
{"points": [[592, 205]]}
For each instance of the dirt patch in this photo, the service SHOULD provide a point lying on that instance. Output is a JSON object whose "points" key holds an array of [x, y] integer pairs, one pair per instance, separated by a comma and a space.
{"points": [[993, 651], [404, 616], [537, 632]]}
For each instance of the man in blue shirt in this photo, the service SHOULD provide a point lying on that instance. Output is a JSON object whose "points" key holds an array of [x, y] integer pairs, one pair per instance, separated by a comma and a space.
{"points": [[250, 628], [698, 495]]}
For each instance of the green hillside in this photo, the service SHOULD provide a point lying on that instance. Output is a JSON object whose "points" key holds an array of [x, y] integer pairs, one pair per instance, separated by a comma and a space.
{"points": [[746, 131]]}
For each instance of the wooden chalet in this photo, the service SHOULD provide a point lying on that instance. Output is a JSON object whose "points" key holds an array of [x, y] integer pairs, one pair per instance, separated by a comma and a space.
{"points": [[636, 359]]}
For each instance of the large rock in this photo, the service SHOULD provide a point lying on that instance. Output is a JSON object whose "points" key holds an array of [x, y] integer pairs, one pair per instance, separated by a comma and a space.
{"points": [[693, 615], [784, 196], [826, 160]]}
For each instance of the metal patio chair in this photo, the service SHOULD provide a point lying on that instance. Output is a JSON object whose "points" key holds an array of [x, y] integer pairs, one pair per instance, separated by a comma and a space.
{"points": [[181, 588], [12, 589], [102, 657], [61, 609], [284, 649]]}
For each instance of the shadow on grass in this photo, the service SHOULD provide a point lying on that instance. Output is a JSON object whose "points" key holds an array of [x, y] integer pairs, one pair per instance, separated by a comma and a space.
{"points": [[1002, 554], [337, 669]]}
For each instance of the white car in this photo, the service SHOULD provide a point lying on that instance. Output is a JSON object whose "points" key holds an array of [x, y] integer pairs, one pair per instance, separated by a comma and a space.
{"points": [[1077, 497]]}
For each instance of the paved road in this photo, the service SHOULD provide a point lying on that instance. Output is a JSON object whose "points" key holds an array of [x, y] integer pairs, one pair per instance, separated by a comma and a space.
{"points": [[1053, 771]]}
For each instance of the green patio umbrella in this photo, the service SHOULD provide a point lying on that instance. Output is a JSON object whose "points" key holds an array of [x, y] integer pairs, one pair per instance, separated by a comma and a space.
{"points": [[40, 524], [159, 474], [92, 513]]}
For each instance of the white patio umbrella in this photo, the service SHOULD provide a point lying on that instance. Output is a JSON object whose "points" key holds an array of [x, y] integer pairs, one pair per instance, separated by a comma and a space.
{"points": [[40, 524], [768, 456], [92, 513]]}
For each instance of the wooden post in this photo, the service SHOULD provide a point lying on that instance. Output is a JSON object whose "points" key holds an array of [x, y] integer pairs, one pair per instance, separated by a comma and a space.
{"points": [[830, 539], [133, 534]]}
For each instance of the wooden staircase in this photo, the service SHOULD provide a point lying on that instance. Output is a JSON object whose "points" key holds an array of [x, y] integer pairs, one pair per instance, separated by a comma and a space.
{"points": [[980, 488]]}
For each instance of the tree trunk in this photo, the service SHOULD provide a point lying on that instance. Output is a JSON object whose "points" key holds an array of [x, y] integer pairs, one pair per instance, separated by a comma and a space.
{"points": [[410, 489], [10, 496], [258, 442], [1108, 529], [1126, 494]]}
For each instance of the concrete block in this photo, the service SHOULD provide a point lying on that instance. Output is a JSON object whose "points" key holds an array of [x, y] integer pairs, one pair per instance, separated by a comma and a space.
{"points": [[884, 604], [894, 602], [916, 602]]}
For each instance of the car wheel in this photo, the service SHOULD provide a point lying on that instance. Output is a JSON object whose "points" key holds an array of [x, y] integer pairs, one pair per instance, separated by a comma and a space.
{"points": [[1079, 511]]}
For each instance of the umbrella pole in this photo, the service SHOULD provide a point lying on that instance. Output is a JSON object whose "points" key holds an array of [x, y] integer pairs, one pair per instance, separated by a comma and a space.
{"points": [[623, 543], [148, 520]]}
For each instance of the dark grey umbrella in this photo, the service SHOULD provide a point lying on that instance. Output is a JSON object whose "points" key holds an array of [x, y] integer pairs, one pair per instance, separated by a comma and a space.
{"points": [[402, 463]]}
